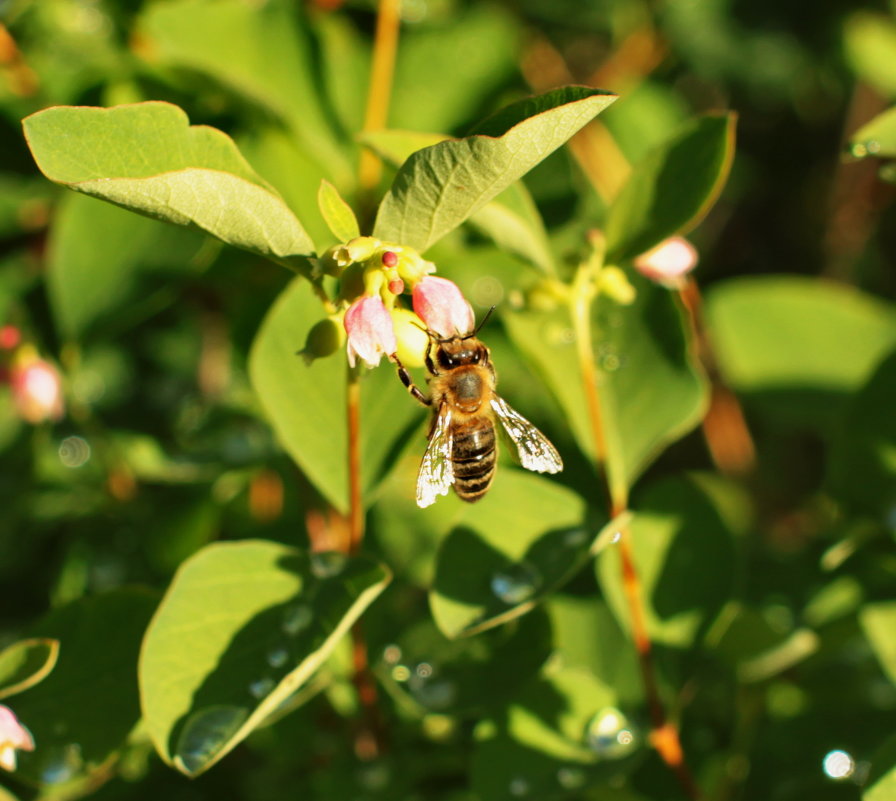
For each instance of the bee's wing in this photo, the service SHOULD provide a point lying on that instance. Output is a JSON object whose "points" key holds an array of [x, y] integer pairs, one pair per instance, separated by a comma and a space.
{"points": [[436, 470], [536, 451]]}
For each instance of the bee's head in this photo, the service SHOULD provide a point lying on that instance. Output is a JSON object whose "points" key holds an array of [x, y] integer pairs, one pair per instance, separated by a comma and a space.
{"points": [[458, 351]]}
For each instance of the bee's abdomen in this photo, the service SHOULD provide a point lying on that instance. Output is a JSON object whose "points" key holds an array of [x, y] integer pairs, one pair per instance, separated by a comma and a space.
{"points": [[473, 456]]}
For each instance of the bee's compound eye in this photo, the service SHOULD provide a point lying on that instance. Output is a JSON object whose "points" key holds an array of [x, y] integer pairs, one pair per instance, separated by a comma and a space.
{"points": [[445, 359]]}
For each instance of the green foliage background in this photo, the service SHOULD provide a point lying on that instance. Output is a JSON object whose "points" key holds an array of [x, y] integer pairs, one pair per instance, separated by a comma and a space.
{"points": [[498, 635]]}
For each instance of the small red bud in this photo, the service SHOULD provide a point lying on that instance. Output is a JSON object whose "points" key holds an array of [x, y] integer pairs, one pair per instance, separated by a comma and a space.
{"points": [[390, 258], [396, 286], [10, 336]]}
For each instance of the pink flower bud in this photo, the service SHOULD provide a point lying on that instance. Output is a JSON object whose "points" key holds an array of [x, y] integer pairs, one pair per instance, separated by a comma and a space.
{"points": [[10, 336], [440, 304], [369, 329], [668, 262], [36, 388], [13, 736]]}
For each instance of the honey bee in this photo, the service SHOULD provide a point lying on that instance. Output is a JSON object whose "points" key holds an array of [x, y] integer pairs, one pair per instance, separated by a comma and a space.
{"points": [[462, 448]]}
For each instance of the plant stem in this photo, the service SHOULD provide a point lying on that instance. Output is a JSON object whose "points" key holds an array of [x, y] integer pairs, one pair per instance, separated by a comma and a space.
{"points": [[385, 47], [664, 735], [724, 425]]}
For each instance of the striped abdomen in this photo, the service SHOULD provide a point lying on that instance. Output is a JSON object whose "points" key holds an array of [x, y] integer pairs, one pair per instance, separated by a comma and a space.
{"points": [[473, 456]]}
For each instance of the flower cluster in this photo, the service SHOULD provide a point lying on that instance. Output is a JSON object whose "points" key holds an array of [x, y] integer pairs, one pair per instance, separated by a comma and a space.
{"points": [[374, 274]]}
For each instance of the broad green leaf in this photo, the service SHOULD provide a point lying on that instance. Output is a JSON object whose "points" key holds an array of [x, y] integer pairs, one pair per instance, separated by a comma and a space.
{"points": [[511, 219], [146, 157], [522, 541], [337, 213], [563, 733], [242, 627], [82, 713], [863, 459], [796, 346], [672, 189], [90, 277], [640, 417], [429, 673], [475, 45], [257, 51], [879, 624], [25, 663], [439, 187], [306, 403], [880, 784], [870, 43], [684, 556]]}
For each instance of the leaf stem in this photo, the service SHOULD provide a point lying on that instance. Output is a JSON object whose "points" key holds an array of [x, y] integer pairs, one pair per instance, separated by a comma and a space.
{"points": [[385, 47], [664, 734]]}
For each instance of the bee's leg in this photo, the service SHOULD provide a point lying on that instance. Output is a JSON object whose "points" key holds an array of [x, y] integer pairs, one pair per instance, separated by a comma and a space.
{"points": [[428, 359], [406, 379]]}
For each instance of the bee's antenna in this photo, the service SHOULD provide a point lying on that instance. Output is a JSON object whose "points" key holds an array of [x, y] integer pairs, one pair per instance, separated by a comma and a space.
{"points": [[482, 322]]}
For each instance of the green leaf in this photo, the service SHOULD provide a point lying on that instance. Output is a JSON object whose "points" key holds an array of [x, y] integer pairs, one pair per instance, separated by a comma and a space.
{"points": [[338, 214], [863, 457], [511, 219], [881, 782], [517, 545], [256, 51], [684, 557], [25, 663], [563, 733], [795, 346], [146, 157], [877, 137], [870, 40], [672, 189], [879, 624], [441, 186], [306, 403], [644, 339], [82, 713], [90, 277], [242, 627]]}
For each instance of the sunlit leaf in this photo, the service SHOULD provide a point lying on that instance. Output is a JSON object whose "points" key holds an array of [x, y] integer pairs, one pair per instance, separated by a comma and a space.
{"points": [[25, 663], [524, 539], [795, 346], [870, 40], [671, 190], [243, 626], [511, 219], [306, 402], [441, 186], [338, 214], [879, 624], [146, 157], [877, 137], [684, 557], [83, 711]]}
